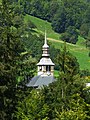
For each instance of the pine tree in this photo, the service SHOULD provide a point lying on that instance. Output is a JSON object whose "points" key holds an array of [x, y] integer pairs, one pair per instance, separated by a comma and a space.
{"points": [[10, 50]]}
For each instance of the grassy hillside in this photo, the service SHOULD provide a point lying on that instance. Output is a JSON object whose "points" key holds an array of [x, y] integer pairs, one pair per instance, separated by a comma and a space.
{"points": [[41, 25], [79, 50]]}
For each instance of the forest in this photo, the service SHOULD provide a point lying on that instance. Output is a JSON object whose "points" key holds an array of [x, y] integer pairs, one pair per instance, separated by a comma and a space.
{"points": [[64, 15], [67, 98]]}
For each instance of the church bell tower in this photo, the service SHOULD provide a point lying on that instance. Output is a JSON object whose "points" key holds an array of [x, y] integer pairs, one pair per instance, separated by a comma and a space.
{"points": [[45, 65]]}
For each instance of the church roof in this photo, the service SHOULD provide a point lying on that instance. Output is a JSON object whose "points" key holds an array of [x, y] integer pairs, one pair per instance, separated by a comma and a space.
{"points": [[45, 61], [39, 81]]}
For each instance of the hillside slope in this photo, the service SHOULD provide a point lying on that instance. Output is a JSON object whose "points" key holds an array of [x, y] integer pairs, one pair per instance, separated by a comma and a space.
{"points": [[79, 50]]}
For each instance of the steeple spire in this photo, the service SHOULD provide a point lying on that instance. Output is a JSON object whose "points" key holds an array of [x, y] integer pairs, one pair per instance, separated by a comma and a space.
{"points": [[45, 47], [45, 66], [45, 41]]}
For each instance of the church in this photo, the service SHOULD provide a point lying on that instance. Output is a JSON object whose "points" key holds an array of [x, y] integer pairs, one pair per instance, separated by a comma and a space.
{"points": [[45, 69]]}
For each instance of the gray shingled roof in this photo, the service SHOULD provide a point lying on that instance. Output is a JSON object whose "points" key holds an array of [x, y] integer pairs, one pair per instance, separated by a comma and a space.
{"points": [[39, 81]]}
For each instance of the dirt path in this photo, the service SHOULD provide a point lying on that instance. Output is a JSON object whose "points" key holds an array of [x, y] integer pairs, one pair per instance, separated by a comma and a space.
{"points": [[51, 39], [54, 40]]}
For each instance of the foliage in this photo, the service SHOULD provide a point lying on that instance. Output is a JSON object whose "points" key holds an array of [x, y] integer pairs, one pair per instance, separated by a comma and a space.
{"points": [[63, 99], [48, 103], [27, 68], [42, 9], [59, 21], [29, 25], [11, 49], [67, 97], [67, 62], [76, 112], [62, 14], [79, 50], [69, 14], [71, 35], [32, 107], [84, 73], [84, 30]]}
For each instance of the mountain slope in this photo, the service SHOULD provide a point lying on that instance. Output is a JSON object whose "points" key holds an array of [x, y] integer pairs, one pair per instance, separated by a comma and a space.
{"points": [[79, 50]]}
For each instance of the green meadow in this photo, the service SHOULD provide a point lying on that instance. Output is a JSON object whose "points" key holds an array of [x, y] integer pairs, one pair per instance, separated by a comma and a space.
{"points": [[79, 50], [42, 25]]}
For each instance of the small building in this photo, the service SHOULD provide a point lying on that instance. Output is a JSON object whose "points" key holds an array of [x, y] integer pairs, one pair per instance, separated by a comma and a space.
{"points": [[45, 73]]}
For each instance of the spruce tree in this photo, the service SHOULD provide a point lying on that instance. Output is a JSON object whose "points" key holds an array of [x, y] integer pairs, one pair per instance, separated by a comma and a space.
{"points": [[10, 50]]}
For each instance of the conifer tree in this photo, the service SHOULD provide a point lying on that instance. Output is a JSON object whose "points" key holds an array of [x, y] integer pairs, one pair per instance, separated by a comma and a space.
{"points": [[10, 50]]}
